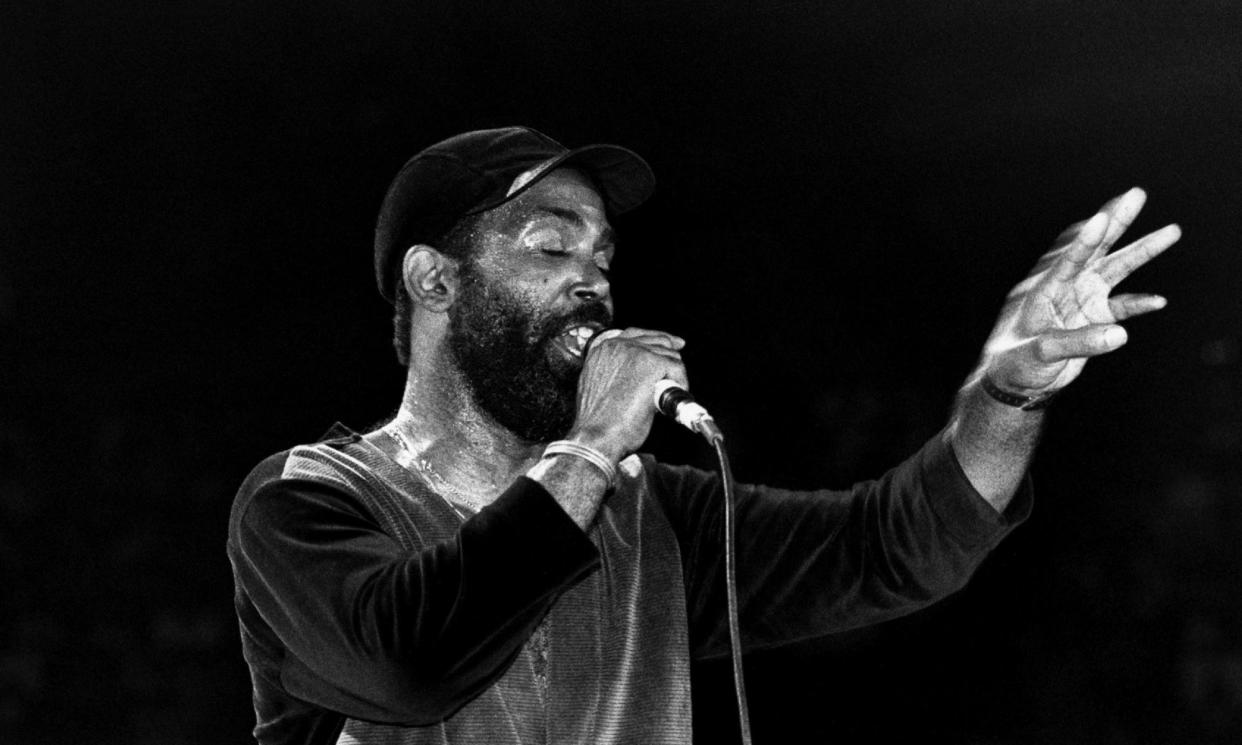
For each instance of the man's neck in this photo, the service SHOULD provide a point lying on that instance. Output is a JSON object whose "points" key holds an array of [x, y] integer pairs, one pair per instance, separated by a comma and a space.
{"points": [[442, 436]]}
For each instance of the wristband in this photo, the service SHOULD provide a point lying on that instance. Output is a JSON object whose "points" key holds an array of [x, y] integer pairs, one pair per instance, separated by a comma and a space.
{"points": [[1026, 403], [585, 452]]}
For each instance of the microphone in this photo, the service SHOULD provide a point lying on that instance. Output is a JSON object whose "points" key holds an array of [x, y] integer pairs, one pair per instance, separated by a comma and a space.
{"points": [[675, 402]]}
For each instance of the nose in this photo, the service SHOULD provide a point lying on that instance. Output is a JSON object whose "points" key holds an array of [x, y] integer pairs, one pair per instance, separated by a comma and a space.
{"points": [[591, 285]]}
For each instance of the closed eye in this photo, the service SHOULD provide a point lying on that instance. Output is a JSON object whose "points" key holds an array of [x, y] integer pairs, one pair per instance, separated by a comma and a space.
{"points": [[546, 241]]}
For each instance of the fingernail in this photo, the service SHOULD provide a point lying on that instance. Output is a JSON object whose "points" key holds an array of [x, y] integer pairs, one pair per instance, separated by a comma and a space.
{"points": [[1115, 336]]}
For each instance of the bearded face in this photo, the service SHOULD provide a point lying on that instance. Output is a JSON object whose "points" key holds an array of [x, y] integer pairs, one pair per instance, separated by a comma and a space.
{"points": [[504, 347]]}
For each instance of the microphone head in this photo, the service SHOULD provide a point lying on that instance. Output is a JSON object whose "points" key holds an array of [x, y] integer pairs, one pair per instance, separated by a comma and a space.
{"points": [[667, 396]]}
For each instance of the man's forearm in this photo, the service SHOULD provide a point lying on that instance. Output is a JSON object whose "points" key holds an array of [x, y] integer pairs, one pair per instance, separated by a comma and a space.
{"points": [[993, 442], [576, 485]]}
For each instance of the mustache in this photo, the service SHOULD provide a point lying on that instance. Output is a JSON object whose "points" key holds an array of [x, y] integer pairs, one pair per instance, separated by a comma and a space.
{"points": [[595, 312]]}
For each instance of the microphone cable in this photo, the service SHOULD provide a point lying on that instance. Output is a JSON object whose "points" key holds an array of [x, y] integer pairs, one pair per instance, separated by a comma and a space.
{"points": [[676, 402], [735, 634]]}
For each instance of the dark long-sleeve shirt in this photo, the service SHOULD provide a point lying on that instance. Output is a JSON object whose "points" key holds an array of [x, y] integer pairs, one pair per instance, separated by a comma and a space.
{"points": [[371, 612]]}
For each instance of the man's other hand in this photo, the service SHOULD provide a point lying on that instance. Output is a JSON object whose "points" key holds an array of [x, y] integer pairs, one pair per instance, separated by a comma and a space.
{"points": [[1062, 313]]}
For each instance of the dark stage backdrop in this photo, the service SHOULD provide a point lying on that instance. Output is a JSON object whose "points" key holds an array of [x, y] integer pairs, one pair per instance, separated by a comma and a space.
{"points": [[847, 191]]}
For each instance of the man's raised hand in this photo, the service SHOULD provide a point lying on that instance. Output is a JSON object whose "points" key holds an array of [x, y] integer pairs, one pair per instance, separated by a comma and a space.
{"points": [[1062, 313]]}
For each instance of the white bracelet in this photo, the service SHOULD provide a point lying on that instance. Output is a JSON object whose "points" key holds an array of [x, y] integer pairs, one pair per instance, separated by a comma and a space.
{"points": [[585, 452]]}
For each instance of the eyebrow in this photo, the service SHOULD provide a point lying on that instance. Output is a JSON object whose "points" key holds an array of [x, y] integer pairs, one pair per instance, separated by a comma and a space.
{"points": [[575, 219]]}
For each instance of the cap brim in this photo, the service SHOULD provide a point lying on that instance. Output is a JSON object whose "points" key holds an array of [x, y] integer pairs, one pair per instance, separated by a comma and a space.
{"points": [[622, 176]]}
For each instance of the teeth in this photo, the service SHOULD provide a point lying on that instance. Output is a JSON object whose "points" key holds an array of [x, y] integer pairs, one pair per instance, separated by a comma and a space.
{"points": [[581, 335]]}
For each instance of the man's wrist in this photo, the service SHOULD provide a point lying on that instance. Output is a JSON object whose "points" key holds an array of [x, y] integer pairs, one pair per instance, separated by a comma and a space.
{"points": [[577, 485], [993, 442], [598, 441], [1023, 401], [576, 449]]}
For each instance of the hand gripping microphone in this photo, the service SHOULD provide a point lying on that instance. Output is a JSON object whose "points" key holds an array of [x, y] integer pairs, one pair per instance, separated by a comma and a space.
{"points": [[675, 402]]}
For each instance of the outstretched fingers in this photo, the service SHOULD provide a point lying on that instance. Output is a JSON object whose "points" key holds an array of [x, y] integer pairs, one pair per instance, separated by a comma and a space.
{"points": [[1088, 341], [1129, 305], [1074, 257], [1090, 239], [1122, 262], [1122, 211]]}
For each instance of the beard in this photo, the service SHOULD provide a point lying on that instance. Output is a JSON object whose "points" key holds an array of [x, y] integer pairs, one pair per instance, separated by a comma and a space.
{"points": [[503, 348]]}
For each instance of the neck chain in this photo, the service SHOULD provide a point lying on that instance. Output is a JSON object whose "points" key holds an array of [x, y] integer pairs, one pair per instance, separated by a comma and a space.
{"points": [[438, 484]]}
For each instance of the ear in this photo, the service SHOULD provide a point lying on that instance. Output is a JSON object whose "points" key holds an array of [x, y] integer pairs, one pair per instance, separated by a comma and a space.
{"points": [[430, 278]]}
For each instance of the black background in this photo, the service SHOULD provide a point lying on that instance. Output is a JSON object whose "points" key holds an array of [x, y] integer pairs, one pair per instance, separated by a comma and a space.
{"points": [[847, 190]]}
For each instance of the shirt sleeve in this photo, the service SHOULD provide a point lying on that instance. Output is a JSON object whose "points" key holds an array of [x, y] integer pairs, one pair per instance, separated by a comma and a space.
{"points": [[811, 563], [380, 633]]}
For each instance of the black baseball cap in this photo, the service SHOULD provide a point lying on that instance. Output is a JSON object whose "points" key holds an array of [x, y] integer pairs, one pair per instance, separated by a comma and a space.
{"points": [[480, 170]]}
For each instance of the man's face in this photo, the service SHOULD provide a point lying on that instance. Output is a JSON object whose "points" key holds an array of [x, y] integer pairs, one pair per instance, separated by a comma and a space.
{"points": [[531, 296]]}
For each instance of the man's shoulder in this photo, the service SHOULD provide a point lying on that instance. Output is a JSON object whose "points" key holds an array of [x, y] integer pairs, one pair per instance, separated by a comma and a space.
{"points": [[325, 462]]}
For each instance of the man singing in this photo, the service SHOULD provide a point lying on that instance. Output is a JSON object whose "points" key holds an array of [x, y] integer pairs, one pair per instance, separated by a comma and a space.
{"points": [[498, 565]]}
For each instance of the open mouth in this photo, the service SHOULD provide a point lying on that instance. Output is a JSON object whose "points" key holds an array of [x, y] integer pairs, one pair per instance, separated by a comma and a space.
{"points": [[573, 340]]}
